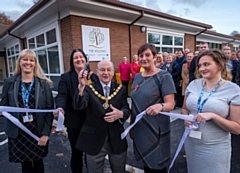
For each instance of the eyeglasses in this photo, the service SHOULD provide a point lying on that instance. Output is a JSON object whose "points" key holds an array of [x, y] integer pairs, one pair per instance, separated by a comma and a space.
{"points": [[103, 70]]}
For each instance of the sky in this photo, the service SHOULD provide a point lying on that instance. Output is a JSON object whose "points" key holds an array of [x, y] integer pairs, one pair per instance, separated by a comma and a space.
{"points": [[223, 15]]}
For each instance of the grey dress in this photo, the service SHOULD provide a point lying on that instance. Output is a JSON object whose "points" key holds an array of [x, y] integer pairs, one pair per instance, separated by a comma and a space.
{"points": [[211, 153], [151, 139]]}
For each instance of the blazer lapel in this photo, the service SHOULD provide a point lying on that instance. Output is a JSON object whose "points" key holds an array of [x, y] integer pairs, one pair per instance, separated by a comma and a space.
{"points": [[15, 92], [37, 87], [98, 88]]}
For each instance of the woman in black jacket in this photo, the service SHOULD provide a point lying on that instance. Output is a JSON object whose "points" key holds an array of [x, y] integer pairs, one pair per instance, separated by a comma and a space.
{"points": [[74, 119], [28, 88]]}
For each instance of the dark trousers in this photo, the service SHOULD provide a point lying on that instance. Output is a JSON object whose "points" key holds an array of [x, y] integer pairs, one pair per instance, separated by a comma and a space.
{"points": [[95, 163], [33, 167], [125, 83], [149, 170], [76, 157]]}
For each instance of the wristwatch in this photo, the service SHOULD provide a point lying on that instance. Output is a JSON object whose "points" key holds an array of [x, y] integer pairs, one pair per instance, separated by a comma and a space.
{"points": [[163, 107]]}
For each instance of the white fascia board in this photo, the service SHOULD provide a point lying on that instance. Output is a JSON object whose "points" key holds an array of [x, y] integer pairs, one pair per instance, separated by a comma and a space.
{"points": [[205, 37], [209, 40], [166, 31], [64, 13], [48, 23], [174, 22], [76, 12], [12, 42], [108, 6], [35, 14]]}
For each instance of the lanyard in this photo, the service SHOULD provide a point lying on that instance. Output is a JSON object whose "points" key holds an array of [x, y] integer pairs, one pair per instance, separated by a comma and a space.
{"points": [[26, 93], [199, 104]]}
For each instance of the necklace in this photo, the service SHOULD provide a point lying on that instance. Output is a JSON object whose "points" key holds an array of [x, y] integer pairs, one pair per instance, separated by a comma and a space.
{"points": [[105, 105]]}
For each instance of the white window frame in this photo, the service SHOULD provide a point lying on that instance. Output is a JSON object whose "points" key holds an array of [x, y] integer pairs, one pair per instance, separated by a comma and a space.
{"points": [[10, 73], [166, 33], [46, 46]]}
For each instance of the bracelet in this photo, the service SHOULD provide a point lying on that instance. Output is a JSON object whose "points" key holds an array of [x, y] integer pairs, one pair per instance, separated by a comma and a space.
{"points": [[163, 107]]}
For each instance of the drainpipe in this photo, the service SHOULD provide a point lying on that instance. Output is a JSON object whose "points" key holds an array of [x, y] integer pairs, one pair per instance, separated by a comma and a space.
{"points": [[130, 33], [230, 42], [21, 39], [199, 34]]}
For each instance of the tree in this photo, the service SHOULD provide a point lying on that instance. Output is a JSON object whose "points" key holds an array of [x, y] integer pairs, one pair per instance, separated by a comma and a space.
{"points": [[4, 19], [235, 34], [35, 1]]}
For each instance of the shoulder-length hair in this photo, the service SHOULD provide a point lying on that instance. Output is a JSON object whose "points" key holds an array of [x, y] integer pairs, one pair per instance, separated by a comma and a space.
{"points": [[38, 72], [220, 59]]}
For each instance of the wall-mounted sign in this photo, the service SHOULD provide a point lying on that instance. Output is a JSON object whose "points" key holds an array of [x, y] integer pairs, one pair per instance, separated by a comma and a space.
{"points": [[96, 42]]}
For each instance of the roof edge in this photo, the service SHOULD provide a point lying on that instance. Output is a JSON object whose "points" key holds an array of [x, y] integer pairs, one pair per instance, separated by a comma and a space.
{"points": [[157, 13], [28, 13]]}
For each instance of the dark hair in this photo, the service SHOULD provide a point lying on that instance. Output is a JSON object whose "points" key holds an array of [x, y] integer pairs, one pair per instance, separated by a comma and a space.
{"points": [[71, 57], [219, 58], [237, 53], [147, 46], [181, 51], [203, 42]]}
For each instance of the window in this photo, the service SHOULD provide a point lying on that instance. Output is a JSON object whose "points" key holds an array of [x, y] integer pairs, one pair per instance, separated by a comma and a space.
{"points": [[153, 38], [12, 56], [211, 45], [235, 48], [166, 42], [47, 50]]}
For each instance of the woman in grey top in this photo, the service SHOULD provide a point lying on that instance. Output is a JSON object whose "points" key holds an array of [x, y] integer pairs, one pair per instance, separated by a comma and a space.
{"points": [[215, 103]]}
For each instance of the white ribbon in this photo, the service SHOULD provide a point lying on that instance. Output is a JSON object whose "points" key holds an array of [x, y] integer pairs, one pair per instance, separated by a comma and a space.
{"points": [[174, 115], [5, 109]]}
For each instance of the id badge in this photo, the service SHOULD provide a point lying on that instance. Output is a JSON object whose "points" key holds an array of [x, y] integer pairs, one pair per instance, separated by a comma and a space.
{"points": [[195, 134], [28, 118]]}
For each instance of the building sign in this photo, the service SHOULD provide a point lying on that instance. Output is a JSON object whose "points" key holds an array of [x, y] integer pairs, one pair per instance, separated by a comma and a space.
{"points": [[96, 42]]}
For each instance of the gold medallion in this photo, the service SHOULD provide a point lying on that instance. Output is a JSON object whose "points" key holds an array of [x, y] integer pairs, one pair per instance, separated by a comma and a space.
{"points": [[105, 105]]}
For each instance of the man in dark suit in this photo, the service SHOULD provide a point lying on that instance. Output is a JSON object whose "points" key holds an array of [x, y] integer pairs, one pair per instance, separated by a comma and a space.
{"points": [[107, 111]]}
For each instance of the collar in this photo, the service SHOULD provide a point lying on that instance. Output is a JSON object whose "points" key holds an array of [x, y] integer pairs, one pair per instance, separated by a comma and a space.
{"points": [[103, 84]]}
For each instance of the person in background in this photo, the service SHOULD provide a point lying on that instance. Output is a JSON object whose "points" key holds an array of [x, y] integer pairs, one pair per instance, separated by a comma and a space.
{"points": [[185, 72], [28, 88], [153, 92], [196, 53], [176, 53], [159, 61], [165, 54], [238, 55], [193, 65], [234, 55], [74, 119], [232, 63], [180, 60], [214, 101], [186, 51], [108, 109], [124, 69], [135, 66]]}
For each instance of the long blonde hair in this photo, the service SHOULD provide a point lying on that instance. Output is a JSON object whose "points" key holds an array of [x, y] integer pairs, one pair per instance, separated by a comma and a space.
{"points": [[38, 71]]}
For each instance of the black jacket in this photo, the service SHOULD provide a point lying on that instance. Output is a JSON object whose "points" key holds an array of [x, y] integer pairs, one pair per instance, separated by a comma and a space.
{"points": [[43, 99], [66, 88], [96, 129], [192, 69]]}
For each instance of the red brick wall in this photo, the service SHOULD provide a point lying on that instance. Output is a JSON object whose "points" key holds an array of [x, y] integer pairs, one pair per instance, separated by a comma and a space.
{"points": [[138, 38], [229, 45], [190, 42], [71, 34]]}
